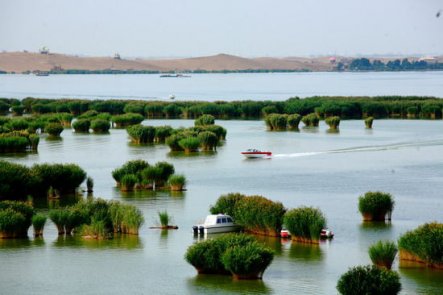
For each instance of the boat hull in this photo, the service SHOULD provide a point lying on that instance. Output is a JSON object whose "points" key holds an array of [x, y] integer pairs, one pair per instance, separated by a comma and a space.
{"points": [[256, 155]]}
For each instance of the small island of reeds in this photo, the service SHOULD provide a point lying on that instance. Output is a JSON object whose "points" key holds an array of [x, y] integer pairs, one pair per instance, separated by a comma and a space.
{"points": [[376, 206], [237, 254], [423, 245]]}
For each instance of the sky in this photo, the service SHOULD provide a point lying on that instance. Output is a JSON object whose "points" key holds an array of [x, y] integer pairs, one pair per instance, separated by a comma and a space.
{"points": [[249, 28]]}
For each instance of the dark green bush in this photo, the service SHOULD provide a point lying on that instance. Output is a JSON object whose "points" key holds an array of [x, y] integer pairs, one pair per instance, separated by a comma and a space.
{"points": [[369, 280], [425, 242], [11, 143], [17, 110], [375, 205], [206, 256], [15, 219], [218, 130], [100, 126], [63, 177], [18, 124], [81, 125], [247, 262], [276, 121], [141, 134], [16, 180], [54, 129], [305, 224], [382, 254], [259, 215], [173, 142], [134, 107], [226, 204]]}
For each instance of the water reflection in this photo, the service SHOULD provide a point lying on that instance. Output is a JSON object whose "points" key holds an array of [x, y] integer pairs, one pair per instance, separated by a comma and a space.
{"points": [[149, 194], [275, 243], [423, 280], [305, 252], [21, 243], [310, 129], [215, 284], [375, 226], [127, 242], [202, 154]]}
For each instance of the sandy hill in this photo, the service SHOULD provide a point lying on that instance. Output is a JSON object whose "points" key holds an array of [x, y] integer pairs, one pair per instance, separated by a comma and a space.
{"points": [[25, 61]]}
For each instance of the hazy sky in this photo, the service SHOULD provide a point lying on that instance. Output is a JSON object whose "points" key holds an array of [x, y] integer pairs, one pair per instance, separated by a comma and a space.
{"points": [[166, 28]]}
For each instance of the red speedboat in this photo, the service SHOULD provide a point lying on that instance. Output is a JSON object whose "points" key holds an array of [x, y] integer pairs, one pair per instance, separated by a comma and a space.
{"points": [[253, 153]]}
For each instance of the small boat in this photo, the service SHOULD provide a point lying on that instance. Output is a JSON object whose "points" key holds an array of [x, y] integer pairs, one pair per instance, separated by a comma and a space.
{"points": [[326, 234], [284, 233], [42, 74], [172, 96], [254, 153], [174, 76], [216, 223]]}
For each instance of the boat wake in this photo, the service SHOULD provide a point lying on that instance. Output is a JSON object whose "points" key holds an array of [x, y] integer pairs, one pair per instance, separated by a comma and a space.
{"points": [[373, 148]]}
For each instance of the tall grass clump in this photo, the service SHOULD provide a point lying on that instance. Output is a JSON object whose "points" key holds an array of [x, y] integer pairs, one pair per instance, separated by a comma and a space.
{"points": [[131, 167], [173, 142], [369, 280], [164, 218], [247, 262], [383, 253], [54, 129], [226, 204], [208, 140], [177, 182], [128, 119], [423, 245], [259, 215], [89, 184], [38, 223], [374, 206], [161, 133], [81, 125], [206, 255], [204, 120], [293, 121], [100, 126], [65, 178], [15, 219], [128, 182], [368, 122], [16, 181], [276, 122], [310, 120], [333, 122], [141, 134], [305, 224], [189, 144]]}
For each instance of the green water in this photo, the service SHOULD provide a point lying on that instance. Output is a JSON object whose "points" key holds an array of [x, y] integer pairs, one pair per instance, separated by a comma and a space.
{"points": [[309, 167]]}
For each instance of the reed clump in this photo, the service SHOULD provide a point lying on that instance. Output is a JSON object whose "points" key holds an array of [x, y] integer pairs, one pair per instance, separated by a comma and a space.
{"points": [[383, 253], [305, 224], [369, 280], [15, 219], [38, 223], [376, 206]]}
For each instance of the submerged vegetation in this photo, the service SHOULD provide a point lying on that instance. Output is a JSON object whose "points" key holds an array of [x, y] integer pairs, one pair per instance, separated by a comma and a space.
{"points": [[423, 245], [237, 254], [374, 206], [369, 280]]}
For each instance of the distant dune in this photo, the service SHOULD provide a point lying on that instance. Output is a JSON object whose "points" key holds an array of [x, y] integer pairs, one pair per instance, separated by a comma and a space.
{"points": [[25, 61]]}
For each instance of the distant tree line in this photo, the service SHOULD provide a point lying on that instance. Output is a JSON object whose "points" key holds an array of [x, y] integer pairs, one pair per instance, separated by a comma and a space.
{"points": [[364, 64]]}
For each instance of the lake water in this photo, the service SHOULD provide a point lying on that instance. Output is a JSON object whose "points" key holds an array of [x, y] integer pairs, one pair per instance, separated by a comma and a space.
{"points": [[310, 167], [210, 87]]}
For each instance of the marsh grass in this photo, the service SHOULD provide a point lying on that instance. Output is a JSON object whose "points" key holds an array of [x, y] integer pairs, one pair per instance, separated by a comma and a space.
{"points": [[305, 224], [383, 253], [38, 222]]}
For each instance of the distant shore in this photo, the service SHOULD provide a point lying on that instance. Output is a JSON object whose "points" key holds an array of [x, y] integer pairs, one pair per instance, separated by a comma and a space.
{"points": [[54, 63]]}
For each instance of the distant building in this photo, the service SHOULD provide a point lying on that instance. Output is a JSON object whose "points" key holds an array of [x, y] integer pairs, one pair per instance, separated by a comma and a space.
{"points": [[332, 59], [117, 56], [44, 50]]}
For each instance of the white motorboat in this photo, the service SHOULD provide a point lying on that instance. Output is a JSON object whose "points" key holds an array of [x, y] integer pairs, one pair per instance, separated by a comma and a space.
{"points": [[216, 223], [326, 234], [254, 153]]}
